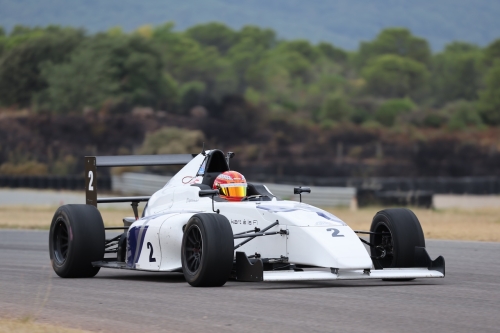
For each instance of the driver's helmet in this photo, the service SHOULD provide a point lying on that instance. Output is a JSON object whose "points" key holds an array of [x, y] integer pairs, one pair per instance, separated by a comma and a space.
{"points": [[232, 185]]}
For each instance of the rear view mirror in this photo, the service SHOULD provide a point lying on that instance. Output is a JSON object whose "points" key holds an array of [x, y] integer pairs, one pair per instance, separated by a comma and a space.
{"points": [[208, 193], [299, 190]]}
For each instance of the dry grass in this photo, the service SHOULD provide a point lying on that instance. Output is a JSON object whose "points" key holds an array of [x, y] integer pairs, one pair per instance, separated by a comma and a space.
{"points": [[27, 325], [40, 217], [478, 225]]}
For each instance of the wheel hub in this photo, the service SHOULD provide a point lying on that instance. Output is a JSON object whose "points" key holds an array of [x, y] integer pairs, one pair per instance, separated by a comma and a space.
{"points": [[193, 251], [61, 242], [383, 245]]}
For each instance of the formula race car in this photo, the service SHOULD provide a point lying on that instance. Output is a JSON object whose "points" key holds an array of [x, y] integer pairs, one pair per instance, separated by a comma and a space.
{"points": [[192, 226]]}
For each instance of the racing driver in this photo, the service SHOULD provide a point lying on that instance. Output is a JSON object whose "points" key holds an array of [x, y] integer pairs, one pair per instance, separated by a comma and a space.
{"points": [[231, 185]]}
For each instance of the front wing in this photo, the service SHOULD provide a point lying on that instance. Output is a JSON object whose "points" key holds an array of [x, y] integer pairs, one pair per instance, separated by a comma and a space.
{"points": [[253, 271], [387, 273]]}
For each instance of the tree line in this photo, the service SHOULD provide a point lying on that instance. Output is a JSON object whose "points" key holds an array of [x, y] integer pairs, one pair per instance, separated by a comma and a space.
{"points": [[392, 80]]}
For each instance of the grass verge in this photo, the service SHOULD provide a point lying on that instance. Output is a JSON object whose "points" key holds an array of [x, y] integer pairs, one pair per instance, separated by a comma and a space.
{"points": [[475, 225], [40, 217], [27, 325]]}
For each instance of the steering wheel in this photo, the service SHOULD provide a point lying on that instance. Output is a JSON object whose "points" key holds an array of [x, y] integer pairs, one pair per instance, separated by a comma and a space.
{"points": [[253, 198]]}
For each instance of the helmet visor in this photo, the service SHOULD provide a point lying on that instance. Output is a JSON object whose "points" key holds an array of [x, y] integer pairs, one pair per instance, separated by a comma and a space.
{"points": [[233, 190]]}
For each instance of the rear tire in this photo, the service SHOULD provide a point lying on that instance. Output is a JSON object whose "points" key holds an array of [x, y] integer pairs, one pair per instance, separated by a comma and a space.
{"points": [[76, 239], [207, 250], [403, 233]]}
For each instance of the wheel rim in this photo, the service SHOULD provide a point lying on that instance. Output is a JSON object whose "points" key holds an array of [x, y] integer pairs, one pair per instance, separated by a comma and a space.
{"points": [[193, 250], [384, 245], [60, 241]]}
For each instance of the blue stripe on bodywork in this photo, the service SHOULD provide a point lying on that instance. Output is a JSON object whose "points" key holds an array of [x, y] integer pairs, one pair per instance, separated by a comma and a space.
{"points": [[300, 206], [134, 244], [137, 234]]}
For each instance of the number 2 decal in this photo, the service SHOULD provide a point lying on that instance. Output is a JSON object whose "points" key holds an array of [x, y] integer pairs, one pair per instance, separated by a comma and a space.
{"points": [[335, 232], [150, 246], [91, 176]]}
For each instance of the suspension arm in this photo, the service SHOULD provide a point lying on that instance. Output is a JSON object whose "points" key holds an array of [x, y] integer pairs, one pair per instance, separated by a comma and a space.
{"points": [[248, 231], [257, 234], [113, 239], [366, 242], [380, 248], [263, 231], [371, 232]]}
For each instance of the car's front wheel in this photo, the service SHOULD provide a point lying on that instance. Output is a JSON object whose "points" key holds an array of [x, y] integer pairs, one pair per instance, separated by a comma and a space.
{"points": [[394, 235], [207, 250]]}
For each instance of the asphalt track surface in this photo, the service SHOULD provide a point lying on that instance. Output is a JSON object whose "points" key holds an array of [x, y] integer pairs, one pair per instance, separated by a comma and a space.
{"points": [[467, 300]]}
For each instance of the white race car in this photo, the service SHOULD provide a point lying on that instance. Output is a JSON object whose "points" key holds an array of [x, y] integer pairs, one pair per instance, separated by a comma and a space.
{"points": [[187, 227]]}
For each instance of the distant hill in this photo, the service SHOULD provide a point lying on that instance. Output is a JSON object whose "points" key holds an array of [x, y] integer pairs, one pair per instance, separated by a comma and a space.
{"points": [[343, 22]]}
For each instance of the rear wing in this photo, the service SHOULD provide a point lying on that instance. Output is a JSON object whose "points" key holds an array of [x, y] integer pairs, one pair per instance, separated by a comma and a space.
{"points": [[92, 162]]}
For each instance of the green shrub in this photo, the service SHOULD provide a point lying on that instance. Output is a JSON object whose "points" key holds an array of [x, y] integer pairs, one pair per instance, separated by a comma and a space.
{"points": [[335, 108], [392, 76], [64, 166], [359, 116], [463, 114], [387, 113], [172, 140], [489, 101], [29, 168], [328, 124], [191, 95], [371, 124], [434, 120]]}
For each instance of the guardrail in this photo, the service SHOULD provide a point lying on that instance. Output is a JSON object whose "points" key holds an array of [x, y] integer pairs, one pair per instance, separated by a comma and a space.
{"points": [[138, 183], [319, 196], [441, 185], [325, 191], [437, 185], [145, 184]]}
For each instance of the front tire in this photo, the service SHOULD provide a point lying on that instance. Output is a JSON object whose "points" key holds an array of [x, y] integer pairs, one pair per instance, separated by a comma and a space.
{"points": [[397, 232], [207, 250], [76, 239]]}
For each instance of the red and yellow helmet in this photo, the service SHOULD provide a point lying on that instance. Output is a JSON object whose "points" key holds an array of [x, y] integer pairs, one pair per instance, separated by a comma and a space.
{"points": [[232, 185]]}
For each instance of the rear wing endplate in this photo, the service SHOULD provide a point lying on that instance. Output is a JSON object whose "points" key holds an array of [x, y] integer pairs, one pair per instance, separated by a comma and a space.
{"points": [[92, 162]]}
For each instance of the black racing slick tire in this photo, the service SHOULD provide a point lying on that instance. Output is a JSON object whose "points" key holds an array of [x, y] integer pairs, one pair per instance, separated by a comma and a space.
{"points": [[395, 234], [76, 239], [207, 250]]}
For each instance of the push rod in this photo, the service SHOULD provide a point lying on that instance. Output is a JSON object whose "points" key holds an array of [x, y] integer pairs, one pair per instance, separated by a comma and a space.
{"points": [[252, 237], [257, 234], [113, 239], [370, 232], [367, 243], [248, 231]]}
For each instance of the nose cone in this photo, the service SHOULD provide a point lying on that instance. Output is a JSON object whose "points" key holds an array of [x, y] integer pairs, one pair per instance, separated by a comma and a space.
{"points": [[337, 247]]}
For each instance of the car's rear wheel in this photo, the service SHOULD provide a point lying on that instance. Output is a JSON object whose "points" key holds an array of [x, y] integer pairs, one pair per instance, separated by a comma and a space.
{"points": [[76, 239], [395, 234], [207, 250]]}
